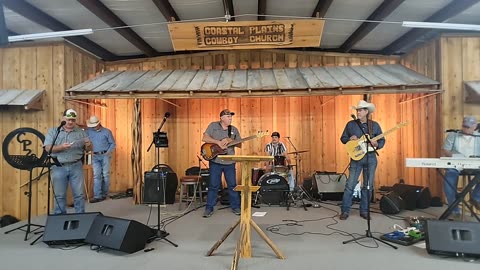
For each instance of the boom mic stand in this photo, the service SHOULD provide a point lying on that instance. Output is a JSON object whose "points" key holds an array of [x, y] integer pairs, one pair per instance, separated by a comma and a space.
{"points": [[297, 174], [161, 141], [366, 176]]}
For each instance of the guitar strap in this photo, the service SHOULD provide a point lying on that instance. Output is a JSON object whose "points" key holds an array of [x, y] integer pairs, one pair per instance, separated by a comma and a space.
{"points": [[230, 131], [370, 127]]}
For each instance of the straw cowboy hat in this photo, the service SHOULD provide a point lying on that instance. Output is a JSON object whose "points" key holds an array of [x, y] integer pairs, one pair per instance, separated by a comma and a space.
{"points": [[93, 121], [362, 104]]}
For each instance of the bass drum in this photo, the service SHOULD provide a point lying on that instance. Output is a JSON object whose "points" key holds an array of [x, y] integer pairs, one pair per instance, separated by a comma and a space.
{"points": [[274, 189]]}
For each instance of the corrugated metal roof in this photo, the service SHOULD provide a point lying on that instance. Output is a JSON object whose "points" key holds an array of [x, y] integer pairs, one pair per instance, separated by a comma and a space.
{"points": [[254, 82], [28, 98], [473, 91]]}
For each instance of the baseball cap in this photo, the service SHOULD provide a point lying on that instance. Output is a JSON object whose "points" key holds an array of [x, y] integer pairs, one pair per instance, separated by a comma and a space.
{"points": [[469, 121], [70, 114], [226, 112], [275, 134]]}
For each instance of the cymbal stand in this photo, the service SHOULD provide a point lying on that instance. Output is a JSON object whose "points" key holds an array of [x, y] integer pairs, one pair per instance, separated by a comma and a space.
{"points": [[298, 173]]}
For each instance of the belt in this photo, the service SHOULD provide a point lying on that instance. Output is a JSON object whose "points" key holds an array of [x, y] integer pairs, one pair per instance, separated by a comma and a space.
{"points": [[99, 153], [70, 163]]}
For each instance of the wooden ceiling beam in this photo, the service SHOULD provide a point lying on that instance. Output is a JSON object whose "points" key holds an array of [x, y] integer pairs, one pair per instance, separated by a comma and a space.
{"points": [[228, 6], [35, 15], [106, 15], [262, 10], [167, 10], [321, 8], [382, 11], [454, 8]]}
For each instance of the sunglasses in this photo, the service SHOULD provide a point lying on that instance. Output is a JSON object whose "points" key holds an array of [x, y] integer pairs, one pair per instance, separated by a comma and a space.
{"points": [[71, 114]]}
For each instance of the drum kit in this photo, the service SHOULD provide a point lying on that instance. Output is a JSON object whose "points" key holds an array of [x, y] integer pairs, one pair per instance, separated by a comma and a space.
{"points": [[277, 181]]}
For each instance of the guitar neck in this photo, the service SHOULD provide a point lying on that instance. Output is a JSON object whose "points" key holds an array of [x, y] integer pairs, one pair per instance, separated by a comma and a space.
{"points": [[242, 140], [378, 137]]}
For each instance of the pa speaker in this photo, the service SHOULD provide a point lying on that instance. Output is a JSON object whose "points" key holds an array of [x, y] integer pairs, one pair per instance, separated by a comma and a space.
{"points": [[119, 234], [68, 228], [160, 187], [414, 196], [391, 203], [453, 238]]}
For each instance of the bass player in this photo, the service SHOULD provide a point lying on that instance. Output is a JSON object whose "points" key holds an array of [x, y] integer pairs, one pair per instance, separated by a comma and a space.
{"points": [[222, 133], [367, 164]]}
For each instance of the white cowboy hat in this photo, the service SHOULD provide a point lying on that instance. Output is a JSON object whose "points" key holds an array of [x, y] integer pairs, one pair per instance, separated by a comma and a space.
{"points": [[362, 104], [93, 121]]}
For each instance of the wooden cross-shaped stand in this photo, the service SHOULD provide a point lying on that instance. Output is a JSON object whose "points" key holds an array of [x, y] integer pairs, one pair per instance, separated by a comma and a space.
{"points": [[244, 247]]}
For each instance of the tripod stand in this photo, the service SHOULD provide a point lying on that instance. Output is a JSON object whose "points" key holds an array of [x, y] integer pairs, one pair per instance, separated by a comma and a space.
{"points": [[366, 174], [161, 141]]}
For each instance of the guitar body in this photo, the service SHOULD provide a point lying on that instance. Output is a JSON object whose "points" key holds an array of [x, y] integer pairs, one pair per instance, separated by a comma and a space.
{"points": [[356, 149], [210, 151]]}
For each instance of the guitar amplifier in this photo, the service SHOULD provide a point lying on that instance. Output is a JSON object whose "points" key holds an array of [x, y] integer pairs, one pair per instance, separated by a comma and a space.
{"points": [[329, 185]]}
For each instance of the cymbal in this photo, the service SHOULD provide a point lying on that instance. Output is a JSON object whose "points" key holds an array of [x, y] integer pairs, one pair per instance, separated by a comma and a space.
{"points": [[298, 152]]}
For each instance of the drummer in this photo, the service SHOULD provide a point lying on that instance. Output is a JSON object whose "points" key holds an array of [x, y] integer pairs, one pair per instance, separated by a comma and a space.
{"points": [[278, 149]]}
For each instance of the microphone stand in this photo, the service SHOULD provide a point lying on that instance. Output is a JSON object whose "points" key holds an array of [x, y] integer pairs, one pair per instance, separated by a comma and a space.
{"points": [[368, 143], [159, 233], [48, 164]]}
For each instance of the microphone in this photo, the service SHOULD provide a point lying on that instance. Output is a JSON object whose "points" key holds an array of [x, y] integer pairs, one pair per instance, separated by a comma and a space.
{"points": [[353, 116], [167, 114], [452, 130], [61, 125]]}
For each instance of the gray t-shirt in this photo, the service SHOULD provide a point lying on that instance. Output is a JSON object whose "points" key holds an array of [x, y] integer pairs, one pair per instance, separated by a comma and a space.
{"points": [[76, 136], [216, 131]]}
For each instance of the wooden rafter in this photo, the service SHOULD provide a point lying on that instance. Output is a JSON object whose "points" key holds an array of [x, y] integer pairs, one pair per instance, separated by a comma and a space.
{"points": [[262, 9], [450, 10], [167, 10], [106, 15], [228, 6], [321, 8], [382, 11], [36, 15]]}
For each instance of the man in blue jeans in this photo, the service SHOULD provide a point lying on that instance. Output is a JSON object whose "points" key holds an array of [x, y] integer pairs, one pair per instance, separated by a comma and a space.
{"points": [[69, 148], [461, 144], [103, 146], [222, 133], [368, 164]]}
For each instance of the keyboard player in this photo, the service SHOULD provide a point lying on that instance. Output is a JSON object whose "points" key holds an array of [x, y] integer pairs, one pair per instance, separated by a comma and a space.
{"points": [[461, 143]]}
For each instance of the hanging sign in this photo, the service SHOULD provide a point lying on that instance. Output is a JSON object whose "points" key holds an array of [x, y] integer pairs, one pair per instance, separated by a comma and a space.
{"points": [[246, 35]]}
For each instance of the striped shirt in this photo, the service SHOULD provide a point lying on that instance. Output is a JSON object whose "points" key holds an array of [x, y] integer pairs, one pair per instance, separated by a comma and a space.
{"points": [[275, 149]]}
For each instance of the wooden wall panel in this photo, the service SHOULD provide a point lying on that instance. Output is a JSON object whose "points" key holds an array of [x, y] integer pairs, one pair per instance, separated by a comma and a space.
{"points": [[42, 67]]}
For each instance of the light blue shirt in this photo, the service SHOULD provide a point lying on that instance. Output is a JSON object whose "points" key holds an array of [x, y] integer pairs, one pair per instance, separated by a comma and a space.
{"points": [[76, 137]]}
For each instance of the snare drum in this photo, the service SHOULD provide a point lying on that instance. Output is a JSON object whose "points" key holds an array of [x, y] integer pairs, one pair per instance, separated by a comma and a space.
{"points": [[256, 174]]}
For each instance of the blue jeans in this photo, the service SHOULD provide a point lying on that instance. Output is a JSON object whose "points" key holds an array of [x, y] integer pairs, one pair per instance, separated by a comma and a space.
{"points": [[101, 168], [61, 176], [216, 170], [368, 164], [450, 188]]}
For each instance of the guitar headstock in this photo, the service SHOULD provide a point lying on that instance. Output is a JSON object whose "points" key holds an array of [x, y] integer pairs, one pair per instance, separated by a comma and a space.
{"points": [[402, 124], [261, 134]]}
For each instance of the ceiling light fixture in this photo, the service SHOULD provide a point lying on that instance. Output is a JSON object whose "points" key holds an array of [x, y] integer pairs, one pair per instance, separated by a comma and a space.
{"points": [[69, 33], [451, 26]]}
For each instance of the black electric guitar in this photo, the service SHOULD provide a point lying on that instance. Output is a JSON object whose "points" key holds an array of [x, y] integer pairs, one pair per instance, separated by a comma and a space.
{"points": [[210, 151]]}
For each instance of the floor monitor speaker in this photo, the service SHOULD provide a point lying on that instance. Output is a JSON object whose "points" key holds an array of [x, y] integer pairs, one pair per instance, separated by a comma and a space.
{"points": [[444, 237], [391, 203], [119, 234], [68, 228]]}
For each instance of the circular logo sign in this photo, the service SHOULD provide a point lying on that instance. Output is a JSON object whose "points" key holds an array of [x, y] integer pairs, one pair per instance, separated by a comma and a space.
{"points": [[22, 148]]}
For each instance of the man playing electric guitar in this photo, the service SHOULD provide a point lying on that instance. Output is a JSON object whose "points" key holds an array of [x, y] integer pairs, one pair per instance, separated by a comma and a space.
{"points": [[367, 164], [222, 133]]}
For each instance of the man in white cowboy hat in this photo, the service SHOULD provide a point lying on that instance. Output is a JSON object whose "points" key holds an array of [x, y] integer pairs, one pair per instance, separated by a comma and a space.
{"points": [[103, 146], [69, 149], [462, 143], [354, 130]]}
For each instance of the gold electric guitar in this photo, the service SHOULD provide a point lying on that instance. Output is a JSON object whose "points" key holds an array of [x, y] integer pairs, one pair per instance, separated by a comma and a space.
{"points": [[210, 151], [358, 148]]}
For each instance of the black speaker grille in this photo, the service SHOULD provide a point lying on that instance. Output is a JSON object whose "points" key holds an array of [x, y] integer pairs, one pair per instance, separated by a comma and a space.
{"points": [[158, 184]]}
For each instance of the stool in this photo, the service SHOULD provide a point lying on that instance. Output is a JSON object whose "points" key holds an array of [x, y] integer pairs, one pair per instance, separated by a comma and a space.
{"points": [[189, 180]]}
